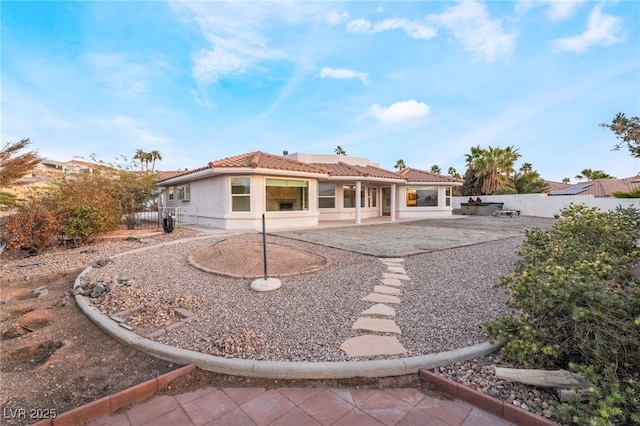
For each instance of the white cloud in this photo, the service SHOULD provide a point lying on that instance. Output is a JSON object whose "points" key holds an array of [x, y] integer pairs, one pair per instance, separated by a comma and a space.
{"points": [[121, 74], [335, 17], [602, 30], [559, 10], [399, 111], [414, 30], [343, 74], [359, 26], [233, 33], [472, 26]]}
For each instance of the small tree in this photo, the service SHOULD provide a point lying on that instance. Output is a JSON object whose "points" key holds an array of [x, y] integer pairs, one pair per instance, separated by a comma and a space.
{"points": [[627, 131], [340, 151], [12, 169]]}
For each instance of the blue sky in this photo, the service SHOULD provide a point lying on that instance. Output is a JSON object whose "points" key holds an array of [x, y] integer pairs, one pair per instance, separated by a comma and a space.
{"points": [[418, 81]]}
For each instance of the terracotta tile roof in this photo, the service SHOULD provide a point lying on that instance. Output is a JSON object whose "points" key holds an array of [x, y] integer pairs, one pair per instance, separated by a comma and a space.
{"points": [[263, 160], [351, 170], [556, 185], [601, 187], [167, 174], [415, 175]]}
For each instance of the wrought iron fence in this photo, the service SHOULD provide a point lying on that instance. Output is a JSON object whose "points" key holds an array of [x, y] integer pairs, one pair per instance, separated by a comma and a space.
{"points": [[181, 215], [153, 219]]}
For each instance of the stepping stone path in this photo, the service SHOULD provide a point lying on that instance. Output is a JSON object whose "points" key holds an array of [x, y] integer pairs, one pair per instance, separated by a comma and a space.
{"points": [[380, 318]]}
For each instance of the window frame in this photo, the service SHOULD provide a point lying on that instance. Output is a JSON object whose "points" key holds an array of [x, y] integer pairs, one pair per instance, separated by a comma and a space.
{"points": [[348, 189], [411, 194], [290, 183], [326, 197], [240, 195]]}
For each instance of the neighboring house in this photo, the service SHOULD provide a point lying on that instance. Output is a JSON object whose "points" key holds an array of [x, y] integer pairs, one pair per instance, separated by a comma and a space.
{"points": [[553, 185], [299, 190], [600, 187]]}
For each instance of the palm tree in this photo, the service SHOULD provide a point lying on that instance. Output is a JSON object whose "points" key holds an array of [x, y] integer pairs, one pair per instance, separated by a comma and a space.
{"points": [[155, 155], [436, 169], [526, 168], [400, 164], [140, 156], [566, 180], [454, 173], [589, 174], [340, 151], [493, 166]]}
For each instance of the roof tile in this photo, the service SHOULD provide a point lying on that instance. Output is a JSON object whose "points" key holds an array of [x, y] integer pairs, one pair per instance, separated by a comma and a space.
{"points": [[415, 175]]}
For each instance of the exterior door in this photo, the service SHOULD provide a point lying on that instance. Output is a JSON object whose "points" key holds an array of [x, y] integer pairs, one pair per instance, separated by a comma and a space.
{"points": [[386, 201]]}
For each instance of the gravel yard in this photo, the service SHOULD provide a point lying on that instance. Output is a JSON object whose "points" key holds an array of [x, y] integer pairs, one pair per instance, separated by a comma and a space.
{"points": [[450, 295]]}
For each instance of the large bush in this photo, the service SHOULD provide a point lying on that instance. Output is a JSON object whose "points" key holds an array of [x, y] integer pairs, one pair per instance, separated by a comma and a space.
{"points": [[33, 228], [576, 300], [84, 206]]}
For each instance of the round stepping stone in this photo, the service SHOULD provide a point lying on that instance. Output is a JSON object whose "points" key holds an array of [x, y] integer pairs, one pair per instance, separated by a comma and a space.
{"points": [[380, 309], [371, 345], [377, 325], [381, 298], [386, 290], [269, 284]]}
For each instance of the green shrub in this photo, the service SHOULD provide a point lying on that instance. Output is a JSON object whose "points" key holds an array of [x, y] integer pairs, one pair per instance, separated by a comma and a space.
{"points": [[578, 307]]}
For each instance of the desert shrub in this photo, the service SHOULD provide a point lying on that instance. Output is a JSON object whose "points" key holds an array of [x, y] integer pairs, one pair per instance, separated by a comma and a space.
{"points": [[83, 207], [33, 228], [577, 306]]}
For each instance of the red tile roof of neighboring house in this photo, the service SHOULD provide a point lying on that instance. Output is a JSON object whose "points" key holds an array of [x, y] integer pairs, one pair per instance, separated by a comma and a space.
{"points": [[263, 160], [601, 187], [415, 175], [351, 170], [556, 185]]}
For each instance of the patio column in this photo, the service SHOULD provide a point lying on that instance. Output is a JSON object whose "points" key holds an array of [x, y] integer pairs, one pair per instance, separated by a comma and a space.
{"points": [[358, 205], [393, 202]]}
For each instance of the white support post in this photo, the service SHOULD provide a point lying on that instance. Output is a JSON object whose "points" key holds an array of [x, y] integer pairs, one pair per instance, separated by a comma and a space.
{"points": [[393, 202], [358, 206]]}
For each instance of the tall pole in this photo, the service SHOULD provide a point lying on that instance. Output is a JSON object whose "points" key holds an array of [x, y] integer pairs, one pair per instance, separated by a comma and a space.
{"points": [[264, 246]]}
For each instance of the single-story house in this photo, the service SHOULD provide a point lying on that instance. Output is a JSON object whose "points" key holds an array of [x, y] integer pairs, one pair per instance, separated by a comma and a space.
{"points": [[600, 187], [300, 190]]}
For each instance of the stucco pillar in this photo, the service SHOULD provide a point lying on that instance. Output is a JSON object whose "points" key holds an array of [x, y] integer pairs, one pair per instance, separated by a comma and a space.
{"points": [[358, 205], [393, 202]]}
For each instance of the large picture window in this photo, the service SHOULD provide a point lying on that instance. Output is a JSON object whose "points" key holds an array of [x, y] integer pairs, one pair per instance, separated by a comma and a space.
{"points": [[422, 196], [327, 196], [240, 194], [287, 194], [349, 196]]}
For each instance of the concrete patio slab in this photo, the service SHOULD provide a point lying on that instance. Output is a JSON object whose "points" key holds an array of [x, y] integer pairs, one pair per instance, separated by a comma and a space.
{"points": [[392, 241]]}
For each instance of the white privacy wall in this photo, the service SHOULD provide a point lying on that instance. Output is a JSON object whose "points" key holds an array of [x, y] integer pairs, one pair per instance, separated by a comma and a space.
{"points": [[542, 205]]}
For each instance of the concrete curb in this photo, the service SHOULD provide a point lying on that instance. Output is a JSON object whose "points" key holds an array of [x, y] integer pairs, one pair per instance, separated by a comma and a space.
{"points": [[273, 369], [485, 402], [109, 404], [279, 369]]}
